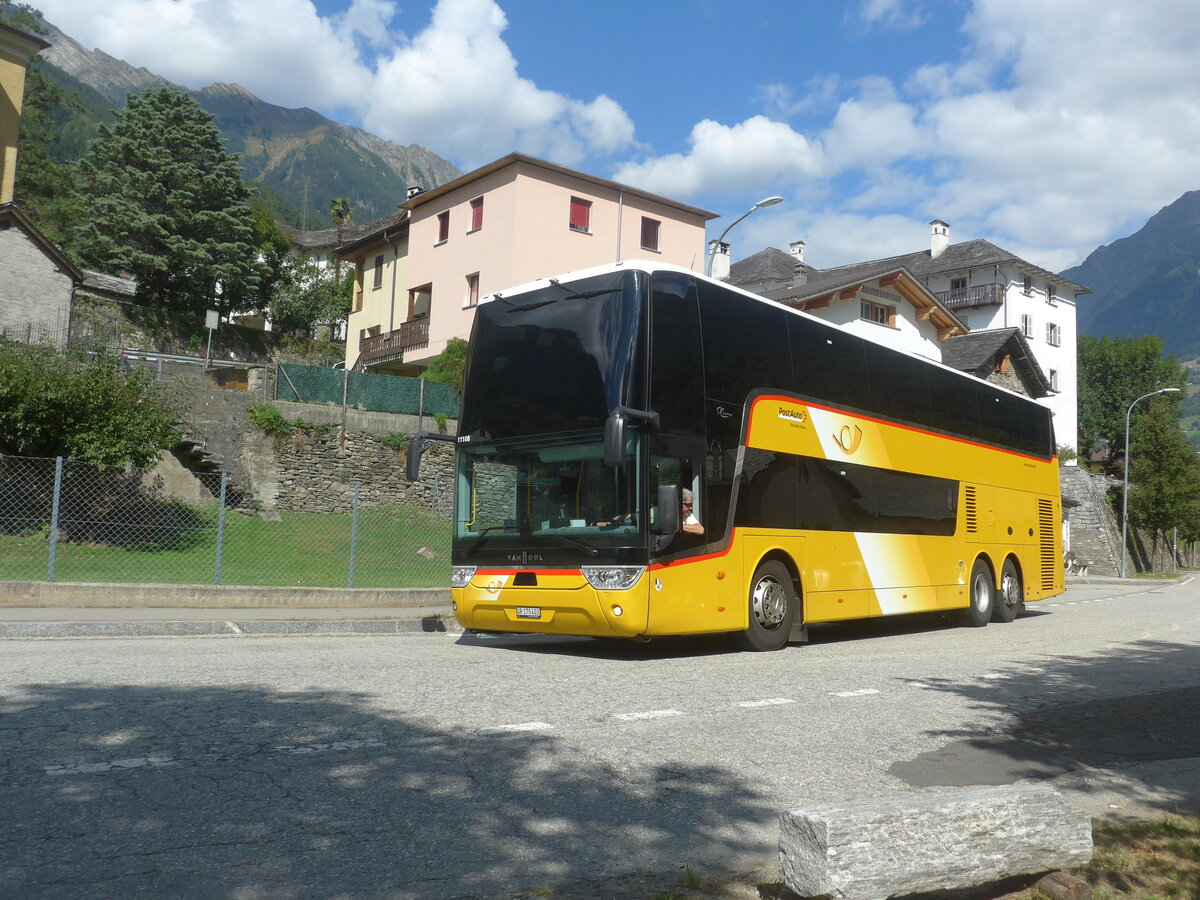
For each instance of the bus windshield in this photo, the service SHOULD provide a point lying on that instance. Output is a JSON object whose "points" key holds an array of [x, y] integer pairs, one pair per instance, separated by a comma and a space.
{"points": [[553, 493]]}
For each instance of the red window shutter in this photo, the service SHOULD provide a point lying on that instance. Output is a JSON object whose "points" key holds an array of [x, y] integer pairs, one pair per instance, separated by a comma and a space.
{"points": [[581, 214], [476, 213], [649, 233], [443, 226]]}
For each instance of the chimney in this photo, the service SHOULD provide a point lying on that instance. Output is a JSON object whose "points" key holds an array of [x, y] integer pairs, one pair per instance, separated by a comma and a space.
{"points": [[939, 238], [719, 251], [413, 190], [796, 248]]}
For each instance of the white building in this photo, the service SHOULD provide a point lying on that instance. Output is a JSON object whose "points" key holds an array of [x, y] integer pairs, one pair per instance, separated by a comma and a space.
{"points": [[986, 287]]}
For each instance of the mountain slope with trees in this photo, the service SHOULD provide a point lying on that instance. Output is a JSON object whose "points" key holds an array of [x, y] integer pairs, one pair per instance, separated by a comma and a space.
{"points": [[1149, 282], [300, 159]]}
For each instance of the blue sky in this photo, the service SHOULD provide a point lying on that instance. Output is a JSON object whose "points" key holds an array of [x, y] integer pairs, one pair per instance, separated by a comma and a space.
{"points": [[1046, 126]]}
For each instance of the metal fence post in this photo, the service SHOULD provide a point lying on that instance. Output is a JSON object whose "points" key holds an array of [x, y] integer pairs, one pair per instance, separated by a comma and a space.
{"points": [[354, 535], [221, 526], [58, 466]]}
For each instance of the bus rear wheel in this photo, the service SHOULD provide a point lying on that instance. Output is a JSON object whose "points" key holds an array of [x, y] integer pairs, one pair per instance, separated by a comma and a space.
{"points": [[773, 607], [1011, 600], [982, 590]]}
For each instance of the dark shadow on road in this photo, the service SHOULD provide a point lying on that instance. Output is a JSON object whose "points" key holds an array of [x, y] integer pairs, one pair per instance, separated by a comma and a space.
{"points": [[120, 791], [1123, 707]]}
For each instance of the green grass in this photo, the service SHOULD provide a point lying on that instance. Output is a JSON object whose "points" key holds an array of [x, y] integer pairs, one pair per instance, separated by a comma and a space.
{"points": [[303, 549]]}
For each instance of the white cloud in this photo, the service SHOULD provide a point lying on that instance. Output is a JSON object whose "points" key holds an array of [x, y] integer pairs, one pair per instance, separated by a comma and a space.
{"points": [[730, 159], [896, 15]]}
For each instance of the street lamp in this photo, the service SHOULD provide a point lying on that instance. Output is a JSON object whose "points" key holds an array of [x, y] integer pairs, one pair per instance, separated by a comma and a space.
{"points": [[769, 201], [1125, 490]]}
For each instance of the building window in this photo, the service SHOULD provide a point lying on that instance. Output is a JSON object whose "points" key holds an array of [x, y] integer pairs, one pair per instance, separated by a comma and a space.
{"points": [[443, 226], [1051, 294], [358, 283], [1054, 379], [1027, 325], [472, 290], [581, 215], [1028, 288], [879, 313], [962, 318], [476, 213], [419, 301], [1053, 334], [377, 279], [958, 284], [650, 233]]}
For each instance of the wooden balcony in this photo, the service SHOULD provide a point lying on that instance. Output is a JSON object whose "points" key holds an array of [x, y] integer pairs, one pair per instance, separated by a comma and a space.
{"points": [[972, 297], [379, 349]]}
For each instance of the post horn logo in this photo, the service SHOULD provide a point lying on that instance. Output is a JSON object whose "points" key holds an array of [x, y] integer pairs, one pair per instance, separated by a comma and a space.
{"points": [[849, 438]]}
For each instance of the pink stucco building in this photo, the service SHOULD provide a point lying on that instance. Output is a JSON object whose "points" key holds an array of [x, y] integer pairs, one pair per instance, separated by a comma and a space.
{"points": [[512, 221]]}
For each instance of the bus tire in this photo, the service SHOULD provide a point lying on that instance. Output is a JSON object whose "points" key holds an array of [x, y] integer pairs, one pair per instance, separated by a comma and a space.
{"points": [[773, 607], [982, 596], [1010, 600]]}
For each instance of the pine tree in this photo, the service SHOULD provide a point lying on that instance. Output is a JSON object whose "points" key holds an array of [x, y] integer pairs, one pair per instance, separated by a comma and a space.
{"points": [[164, 202]]}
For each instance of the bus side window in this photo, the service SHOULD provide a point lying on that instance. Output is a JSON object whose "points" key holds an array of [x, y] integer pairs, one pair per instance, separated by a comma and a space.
{"points": [[688, 474]]}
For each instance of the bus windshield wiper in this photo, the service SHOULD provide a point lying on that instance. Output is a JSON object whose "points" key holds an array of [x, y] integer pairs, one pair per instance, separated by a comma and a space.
{"points": [[528, 306], [483, 535], [587, 548]]}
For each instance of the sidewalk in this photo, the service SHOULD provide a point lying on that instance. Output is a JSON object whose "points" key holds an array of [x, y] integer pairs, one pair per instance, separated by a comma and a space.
{"points": [[41, 609]]}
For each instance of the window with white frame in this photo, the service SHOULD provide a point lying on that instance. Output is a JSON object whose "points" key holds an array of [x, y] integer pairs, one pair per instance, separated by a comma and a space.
{"points": [[1051, 294], [472, 290], [377, 278], [1027, 289], [650, 233], [581, 215], [443, 226], [1053, 334], [476, 213], [958, 284], [1027, 325], [1054, 379], [879, 313]]}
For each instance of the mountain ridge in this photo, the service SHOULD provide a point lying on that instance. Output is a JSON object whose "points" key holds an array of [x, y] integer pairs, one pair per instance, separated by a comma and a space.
{"points": [[298, 155]]}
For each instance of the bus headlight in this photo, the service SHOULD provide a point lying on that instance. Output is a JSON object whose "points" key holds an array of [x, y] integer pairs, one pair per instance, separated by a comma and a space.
{"points": [[460, 576], [612, 578]]}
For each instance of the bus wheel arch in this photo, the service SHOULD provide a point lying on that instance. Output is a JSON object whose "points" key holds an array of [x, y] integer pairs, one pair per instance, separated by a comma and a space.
{"points": [[773, 604], [1010, 594], [981, 594]]}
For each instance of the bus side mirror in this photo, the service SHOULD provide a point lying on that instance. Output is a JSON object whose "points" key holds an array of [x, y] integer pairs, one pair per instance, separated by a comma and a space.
{"points": [[412, 461], [614, 441], [668, 509]]}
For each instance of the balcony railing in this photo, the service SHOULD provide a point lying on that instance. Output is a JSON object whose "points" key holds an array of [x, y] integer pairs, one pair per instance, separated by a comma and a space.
{"points": [[385, 348], [967, 298]]}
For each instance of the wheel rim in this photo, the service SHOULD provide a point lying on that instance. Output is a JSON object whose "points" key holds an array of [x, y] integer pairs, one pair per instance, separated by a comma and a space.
{"points": [[981, 596], [769, 602], [1009, 591]]}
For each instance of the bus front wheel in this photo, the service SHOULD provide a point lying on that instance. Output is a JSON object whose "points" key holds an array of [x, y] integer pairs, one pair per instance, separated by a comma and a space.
{"points": [[773, 607], [983, 596], [1010, 601]]}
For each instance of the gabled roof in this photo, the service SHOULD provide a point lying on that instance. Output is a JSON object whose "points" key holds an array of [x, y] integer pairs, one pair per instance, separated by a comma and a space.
{"points": [[10, 215], [976, 353], [959, 257], [764, 266], [521, 159], [381, 231], [829, 284], [110, 285]]}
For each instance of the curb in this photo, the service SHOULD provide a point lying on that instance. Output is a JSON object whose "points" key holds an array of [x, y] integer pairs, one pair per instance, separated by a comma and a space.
{"points": [[435, 624]]}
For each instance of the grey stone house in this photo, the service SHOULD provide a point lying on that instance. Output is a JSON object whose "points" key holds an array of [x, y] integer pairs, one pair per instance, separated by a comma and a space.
{"points": [[37, 283]]}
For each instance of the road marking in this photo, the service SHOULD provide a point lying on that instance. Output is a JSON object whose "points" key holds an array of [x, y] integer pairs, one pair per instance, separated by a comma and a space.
{"points": [[333, 745], [861, 692], [772, 701], [515, 728], [114, 765], [649, 714]]}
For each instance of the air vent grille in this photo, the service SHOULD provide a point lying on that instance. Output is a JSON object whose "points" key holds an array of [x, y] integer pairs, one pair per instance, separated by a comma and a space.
{"points": [[1046, 543], [970, 510]]}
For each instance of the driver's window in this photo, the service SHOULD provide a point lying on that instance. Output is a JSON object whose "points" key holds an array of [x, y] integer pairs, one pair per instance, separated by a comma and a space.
{"points": [[688, 475]]}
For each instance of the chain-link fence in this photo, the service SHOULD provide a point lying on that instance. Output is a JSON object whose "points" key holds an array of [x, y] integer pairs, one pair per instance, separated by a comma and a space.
{"points": [[382, 393], [62, 520]]}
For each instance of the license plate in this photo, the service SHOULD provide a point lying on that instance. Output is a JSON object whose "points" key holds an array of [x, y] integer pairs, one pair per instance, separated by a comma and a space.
{"points": [[529, 612]]}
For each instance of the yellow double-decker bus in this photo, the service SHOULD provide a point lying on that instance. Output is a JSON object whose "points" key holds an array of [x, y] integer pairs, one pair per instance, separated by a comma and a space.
{"points": [[643, 451]]}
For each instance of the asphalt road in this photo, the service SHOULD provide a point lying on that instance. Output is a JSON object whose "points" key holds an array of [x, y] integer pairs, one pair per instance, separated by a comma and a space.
{"points": [[450, 766]]}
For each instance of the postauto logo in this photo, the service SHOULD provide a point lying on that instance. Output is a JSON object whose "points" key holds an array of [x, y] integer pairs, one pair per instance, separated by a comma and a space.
{"points": [[794, 415]]}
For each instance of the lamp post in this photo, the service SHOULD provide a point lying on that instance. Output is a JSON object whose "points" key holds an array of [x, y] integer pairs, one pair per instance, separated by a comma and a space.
{"points": [[1125, 489], [768, 201]]}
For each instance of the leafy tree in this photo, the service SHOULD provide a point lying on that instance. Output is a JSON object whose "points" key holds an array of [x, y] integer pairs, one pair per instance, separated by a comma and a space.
{"points": [[56, 404], [1113, 372], [165, 202], [308, 294], [1164, 472], [448, 366], [275, 251]]}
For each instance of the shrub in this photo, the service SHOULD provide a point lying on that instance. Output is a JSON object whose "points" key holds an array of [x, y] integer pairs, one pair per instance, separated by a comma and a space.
{"points": [[397, 440]]}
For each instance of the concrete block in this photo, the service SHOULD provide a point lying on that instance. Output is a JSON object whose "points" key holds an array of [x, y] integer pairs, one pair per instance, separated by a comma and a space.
{"points": [[874, 849]]}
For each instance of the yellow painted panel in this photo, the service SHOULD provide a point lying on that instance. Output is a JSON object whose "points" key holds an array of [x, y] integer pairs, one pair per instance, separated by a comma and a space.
{"points": [[698, 595], [830, 606]]}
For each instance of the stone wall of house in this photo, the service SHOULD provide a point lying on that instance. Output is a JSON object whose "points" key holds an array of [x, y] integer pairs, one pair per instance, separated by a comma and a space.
{"points": [[35, 294]]}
